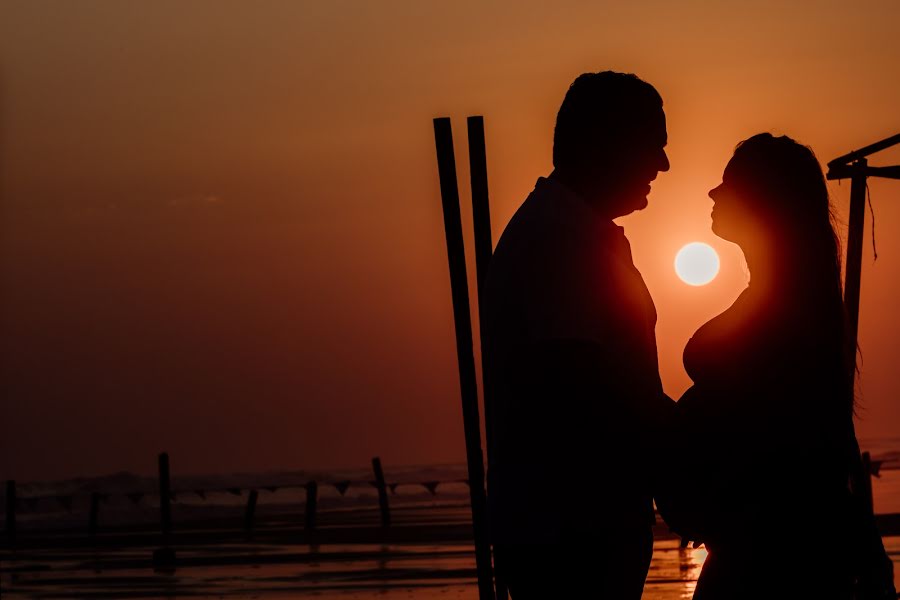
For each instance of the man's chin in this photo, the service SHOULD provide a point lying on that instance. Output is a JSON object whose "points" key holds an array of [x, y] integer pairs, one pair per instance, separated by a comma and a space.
{"points": [[639, 203], [632, 205]]}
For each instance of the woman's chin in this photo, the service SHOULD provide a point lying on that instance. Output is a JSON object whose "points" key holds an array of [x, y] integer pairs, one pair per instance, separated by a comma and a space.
{"points": [[723, 231]]}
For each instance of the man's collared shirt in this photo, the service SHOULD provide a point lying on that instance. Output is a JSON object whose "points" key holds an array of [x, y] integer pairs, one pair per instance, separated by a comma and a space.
{"points": [[567, 436]]}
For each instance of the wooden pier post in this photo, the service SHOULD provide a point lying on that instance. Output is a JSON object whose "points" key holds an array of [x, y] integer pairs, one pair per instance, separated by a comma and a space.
{"points": [[164, 557], [382, 493], [11, 512], [94, 517], [251, 511], [312, 500], [165, 493]]}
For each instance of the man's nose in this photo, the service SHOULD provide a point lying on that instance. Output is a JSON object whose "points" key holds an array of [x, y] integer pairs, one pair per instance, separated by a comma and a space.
{"points": [[664, 162], [714, 192]]}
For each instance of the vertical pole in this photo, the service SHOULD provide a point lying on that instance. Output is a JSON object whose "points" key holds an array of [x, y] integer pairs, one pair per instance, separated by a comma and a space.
{"points": [[852, 280], [459, 289], [250, 512], [94, 514], [484, 247], [312, 500], [853, 274], [165, 512], [11, 512], [382, 493], [484, 250], [164, 557], [860, 466]]}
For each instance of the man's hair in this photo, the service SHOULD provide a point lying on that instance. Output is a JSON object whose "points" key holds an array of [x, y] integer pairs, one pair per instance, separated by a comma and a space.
{"points": [[597, 110]]}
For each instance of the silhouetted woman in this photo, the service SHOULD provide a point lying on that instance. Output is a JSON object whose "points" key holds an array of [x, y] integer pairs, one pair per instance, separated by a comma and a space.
{"points": [[769, 421]]}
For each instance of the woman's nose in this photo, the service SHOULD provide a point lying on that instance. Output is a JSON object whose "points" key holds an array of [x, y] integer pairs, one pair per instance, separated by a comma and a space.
{"points": [[715, 191]]}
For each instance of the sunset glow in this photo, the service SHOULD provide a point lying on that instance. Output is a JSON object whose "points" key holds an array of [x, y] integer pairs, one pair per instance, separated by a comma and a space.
{"points": [[208, 203], [697, 264]]}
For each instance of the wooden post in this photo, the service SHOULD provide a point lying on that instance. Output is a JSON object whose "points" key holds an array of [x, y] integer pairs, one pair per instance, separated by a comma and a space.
{"points": [[484, 251], [866, 488], [165, 510], [94, 514], [484, 247], [251, 510], [164, 557], [382, 493], [459, 289], [11, 512], [854, 253], [312, 501], [860, 474]]}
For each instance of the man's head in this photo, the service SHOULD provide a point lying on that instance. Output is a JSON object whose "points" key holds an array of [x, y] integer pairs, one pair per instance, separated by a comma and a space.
{"points": [[609, 140]]}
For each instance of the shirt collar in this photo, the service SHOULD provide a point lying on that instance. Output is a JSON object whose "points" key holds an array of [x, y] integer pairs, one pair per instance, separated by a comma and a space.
{"points": [[573, 208]]}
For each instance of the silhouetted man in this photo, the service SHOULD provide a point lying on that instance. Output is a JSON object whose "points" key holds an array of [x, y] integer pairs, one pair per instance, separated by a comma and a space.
{"points": [[571, 345]]}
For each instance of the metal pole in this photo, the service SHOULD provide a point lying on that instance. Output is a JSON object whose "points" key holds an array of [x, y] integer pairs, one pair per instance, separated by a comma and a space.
{"points": [[459, 288]]}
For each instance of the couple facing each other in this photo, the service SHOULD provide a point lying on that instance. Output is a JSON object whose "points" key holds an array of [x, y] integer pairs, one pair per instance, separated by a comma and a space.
{"points": [[755, 458]]}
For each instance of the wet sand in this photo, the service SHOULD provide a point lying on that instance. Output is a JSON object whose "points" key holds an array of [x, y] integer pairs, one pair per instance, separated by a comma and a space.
{"points": [[426, 554], [331, 571], [357, 571]]}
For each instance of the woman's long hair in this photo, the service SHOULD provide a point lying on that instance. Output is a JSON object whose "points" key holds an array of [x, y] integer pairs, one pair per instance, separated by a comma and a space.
{"points": [[786, 176]]}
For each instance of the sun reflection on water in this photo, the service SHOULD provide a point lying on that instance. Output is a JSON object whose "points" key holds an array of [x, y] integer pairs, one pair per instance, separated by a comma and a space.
{"points": [[690, 563]]}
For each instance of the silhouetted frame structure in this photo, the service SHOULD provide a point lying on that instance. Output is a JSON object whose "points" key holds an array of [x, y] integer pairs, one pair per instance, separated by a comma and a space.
{"points": [[855, 166], [459, 289]]}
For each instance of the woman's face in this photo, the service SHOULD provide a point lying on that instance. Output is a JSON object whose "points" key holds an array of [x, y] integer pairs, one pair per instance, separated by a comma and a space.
{"points": [[736, 213]]}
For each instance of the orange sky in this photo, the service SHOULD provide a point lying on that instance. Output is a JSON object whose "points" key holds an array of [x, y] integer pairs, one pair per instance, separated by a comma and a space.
{"points": [[221, 231]]}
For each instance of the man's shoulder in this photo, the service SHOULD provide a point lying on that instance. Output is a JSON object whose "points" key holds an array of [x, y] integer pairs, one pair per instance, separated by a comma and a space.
{"points": [[553, 221]]}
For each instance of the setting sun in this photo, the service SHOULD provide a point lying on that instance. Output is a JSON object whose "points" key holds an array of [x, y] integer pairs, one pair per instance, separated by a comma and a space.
{"points": [[697, 264]]}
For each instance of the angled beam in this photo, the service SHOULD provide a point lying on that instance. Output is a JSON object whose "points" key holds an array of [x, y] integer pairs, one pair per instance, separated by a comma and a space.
{"points": [[848, 171], [865, 151]]}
